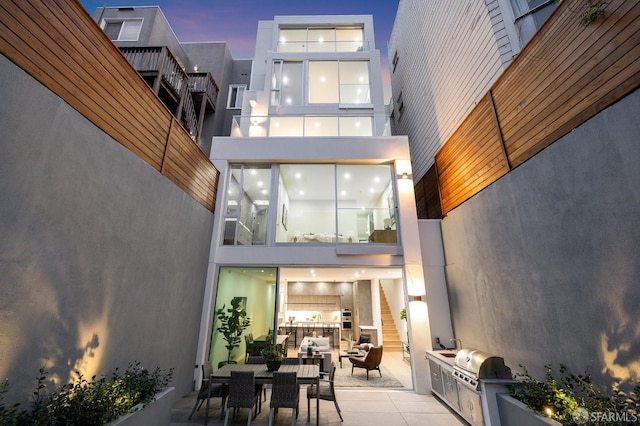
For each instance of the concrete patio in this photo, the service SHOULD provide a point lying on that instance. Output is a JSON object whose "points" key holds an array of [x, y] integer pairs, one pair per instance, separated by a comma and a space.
{"points": [[366, 407]]}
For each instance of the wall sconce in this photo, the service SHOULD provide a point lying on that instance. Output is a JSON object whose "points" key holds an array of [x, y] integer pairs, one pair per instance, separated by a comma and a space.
{"points": [[415, 298], [195, 68], [405, 175], [252, 103]]}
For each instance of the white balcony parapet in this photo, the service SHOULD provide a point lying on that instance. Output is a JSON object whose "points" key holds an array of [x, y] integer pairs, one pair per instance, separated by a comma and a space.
{"points": [[307, 126]]}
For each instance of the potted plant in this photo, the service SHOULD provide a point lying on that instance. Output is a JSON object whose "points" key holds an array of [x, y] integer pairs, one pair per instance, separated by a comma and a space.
{"points": [[271, 353], [349, 339], [233, 321]]}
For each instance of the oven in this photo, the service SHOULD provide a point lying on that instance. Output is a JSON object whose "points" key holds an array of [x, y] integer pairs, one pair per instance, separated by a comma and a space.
{"points": [[347, 323]]}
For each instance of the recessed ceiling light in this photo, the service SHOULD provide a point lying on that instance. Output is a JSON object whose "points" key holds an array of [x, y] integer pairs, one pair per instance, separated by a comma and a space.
{"points": [[289, 100], [323, 79], [347, 175], [298, 175], [376, 179], [260, 184], [285, 79], [301, 192], [343, 193]]}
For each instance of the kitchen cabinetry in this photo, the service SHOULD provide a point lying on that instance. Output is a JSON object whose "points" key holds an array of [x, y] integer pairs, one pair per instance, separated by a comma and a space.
{"points": [[450, 388], [436, 378]]}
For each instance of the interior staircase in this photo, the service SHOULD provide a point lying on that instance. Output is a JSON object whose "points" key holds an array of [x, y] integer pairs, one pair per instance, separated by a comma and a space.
{"points": [[390, 338]]}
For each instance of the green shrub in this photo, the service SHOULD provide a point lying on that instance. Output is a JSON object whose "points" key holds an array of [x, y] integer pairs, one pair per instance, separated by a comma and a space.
{"points": [[87, 402], [575, 399]]}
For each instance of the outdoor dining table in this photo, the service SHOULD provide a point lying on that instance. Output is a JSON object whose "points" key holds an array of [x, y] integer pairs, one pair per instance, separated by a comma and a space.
{"points": [[306, 374]]}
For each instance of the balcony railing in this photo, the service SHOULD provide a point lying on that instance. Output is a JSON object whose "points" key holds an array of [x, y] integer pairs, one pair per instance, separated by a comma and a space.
{"points": [[160, 61], [323, 46], [200, 82], [307, 126]]}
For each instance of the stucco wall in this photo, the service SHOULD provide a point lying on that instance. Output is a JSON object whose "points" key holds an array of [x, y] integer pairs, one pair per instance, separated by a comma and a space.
{"points": [[102, 259], [543, 265]]}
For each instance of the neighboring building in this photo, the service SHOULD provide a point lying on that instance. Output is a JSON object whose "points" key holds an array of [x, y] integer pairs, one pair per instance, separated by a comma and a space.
{"points": [[434, 88], [317, 210], [213, 78], [528, 151]]}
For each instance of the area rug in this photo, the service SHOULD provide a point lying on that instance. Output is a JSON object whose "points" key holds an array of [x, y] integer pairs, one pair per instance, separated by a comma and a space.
{"points": [[344, 379]]}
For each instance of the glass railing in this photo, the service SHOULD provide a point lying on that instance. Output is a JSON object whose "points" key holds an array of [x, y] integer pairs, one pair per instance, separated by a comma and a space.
{"points": [[306, 126], [323, 46]]}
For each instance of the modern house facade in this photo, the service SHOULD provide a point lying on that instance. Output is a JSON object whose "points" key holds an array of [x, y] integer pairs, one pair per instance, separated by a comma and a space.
{"points": [[317, 210], [521, 131]]}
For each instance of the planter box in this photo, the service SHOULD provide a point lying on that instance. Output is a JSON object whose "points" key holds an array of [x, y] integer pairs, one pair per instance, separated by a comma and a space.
{"points": [[157, 412], [514, 412]]}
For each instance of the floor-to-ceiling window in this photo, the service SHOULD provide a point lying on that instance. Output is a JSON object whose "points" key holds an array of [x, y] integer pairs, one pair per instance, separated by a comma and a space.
{"points": [[247, 209], [243, 292]]}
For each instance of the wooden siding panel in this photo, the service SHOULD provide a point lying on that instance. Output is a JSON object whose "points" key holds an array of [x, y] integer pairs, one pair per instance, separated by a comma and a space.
{"points": [[58, 43], [471, 159]]}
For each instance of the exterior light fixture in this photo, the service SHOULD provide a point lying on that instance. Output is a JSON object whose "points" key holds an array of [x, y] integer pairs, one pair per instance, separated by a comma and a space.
{"points": [[405, 175], [252, 102]]}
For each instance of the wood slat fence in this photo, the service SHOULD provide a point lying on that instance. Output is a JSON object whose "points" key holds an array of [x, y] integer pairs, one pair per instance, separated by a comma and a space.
{"points": [[58, 43], [565, 75]]}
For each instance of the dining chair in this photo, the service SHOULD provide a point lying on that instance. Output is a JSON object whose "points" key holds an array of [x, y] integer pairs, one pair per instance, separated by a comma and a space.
{"points": [[326, 391], [284, 394], [259, 388], [218, 390], [242, 393]]}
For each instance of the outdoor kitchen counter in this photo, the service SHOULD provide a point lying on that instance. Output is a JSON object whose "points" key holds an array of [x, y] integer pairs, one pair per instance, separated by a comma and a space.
{"points": [[447, 357]]}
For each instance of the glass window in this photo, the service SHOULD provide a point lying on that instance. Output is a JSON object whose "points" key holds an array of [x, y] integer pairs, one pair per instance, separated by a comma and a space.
{"points": [[323, 82], [366, 206], [286, 126], [349, 39], [306, 203], [332, 82], [236, 95], [247, 205], [321, 126], [246, 297], [125, 30], [286, 83], [321, 40], [354, 82], [292, 40], [356, 126]]}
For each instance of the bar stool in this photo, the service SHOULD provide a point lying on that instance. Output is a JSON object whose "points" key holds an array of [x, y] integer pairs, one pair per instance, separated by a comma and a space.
{"points": [[308, 330], [329, 331], [291, 329]]}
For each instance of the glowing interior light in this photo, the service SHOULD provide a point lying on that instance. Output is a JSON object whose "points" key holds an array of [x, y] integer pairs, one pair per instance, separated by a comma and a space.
{"points": [[253, 172], [343, 193], [376, 179], [357, 124], [323, 79], [301, 192], [264, 191], [285, 79], [316, 124], [289, 101], [347, 175], [321, 39], [276, 124], [298, 175]]}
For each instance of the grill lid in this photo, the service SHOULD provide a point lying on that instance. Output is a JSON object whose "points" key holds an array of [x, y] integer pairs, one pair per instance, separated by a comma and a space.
{"points": [[481, 365]]}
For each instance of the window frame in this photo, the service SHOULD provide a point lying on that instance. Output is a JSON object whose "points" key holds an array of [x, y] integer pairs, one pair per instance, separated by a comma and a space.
{"points": [[236, 88], [122, 23]]}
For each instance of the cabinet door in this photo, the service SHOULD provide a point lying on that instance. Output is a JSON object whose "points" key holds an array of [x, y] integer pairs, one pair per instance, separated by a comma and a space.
{"points": [[450, 389], [470, 405], [436, 379]]}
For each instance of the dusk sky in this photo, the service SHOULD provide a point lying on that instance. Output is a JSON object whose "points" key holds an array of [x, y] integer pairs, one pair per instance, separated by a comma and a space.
{"points": [[236, 21]]}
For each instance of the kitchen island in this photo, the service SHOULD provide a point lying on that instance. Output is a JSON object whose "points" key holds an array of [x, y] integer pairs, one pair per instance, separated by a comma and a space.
{"points": [[298, 330]]}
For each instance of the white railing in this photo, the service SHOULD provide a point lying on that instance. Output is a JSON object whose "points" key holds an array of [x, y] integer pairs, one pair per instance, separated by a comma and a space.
{"points": [[323, 46], [307, 126]]}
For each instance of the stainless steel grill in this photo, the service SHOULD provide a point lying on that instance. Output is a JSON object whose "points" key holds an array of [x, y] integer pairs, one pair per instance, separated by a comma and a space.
{"points": [[472, 365]]}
